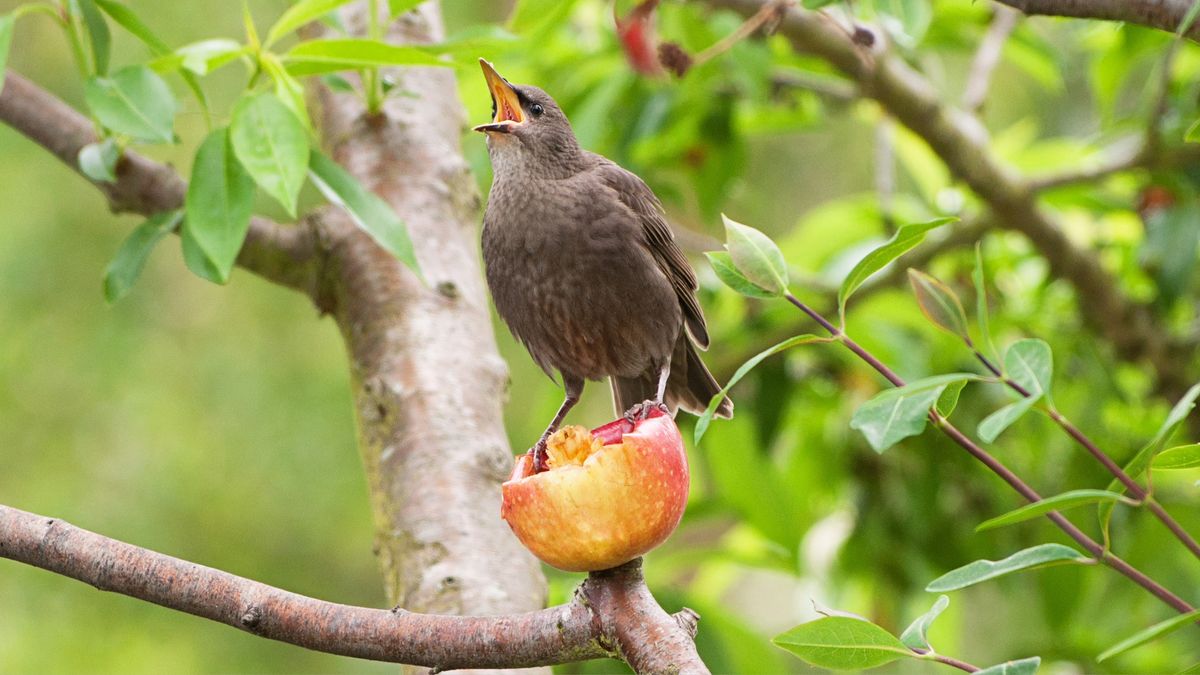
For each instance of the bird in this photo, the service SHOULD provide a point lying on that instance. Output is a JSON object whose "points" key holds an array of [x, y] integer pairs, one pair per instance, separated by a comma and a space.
{"points": [[584, 268]]}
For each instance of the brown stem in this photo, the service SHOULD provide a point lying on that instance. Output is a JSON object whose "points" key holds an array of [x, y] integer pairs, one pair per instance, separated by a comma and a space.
{"points": [[987, 57], [769, 12], [1162, 14], [947, 660], [998, 468], [613, 615]]}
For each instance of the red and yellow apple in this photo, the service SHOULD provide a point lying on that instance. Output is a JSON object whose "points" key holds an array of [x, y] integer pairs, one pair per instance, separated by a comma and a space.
{"points": [[607, 496]]}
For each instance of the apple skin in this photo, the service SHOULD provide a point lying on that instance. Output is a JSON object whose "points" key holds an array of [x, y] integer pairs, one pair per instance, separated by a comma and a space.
{"points": [[623, 501]]}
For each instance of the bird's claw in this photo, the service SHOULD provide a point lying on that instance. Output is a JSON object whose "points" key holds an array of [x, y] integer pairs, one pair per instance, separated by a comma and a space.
{"points": [[540, 459], [640, 411]]}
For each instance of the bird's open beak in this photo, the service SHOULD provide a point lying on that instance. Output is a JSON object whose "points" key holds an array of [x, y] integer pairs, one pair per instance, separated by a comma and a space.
{"points": [[504, 98]]}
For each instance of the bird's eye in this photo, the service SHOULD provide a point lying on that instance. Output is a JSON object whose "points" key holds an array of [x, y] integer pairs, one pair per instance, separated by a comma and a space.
{"points": [[537, 109]]}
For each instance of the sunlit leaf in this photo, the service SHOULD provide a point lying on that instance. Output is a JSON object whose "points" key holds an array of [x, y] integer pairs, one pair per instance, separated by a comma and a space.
{"points": [[219, 200], [842, 643], [370, 212], [895, 414], [1027, 666], [728, 273], [993, 425], [1030, 363], [904, 240], [1152, 633], [299, 14], [271, 143], [1058, 502], [939, 304], [136, 27], [98, 161], [916, 636], [533, 17], [397, 7], [127, 265], [136, 102], [313, 57], [983, 570], [201, 58], [948, 401], [288, 89], [1179, 457], [756, 257], [706, 419]]}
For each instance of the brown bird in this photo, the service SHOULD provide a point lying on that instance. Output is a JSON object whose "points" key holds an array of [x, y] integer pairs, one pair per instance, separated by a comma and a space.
{"points": [[583, 266]]}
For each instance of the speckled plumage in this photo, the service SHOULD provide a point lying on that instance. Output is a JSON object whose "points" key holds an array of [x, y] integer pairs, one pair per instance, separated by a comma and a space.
{"points": [[584, 269]]}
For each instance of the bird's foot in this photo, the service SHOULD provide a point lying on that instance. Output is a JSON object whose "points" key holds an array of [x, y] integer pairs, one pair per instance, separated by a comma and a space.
{"points": [[640, 411], [540, 458]]}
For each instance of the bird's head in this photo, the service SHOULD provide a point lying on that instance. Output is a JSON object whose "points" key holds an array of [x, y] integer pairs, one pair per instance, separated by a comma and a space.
{"points": [[528, 130]]}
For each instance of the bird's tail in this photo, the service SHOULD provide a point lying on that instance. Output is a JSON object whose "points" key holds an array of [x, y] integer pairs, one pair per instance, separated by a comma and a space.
{"points": [[689, 387]]}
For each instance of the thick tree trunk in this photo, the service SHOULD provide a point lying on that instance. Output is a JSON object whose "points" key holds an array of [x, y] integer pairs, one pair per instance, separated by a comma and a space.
{"points": [[429, 382]]}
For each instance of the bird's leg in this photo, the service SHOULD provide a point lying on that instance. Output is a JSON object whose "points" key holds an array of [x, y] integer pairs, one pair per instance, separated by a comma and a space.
{"points": [[641, 411], [573, 387]]}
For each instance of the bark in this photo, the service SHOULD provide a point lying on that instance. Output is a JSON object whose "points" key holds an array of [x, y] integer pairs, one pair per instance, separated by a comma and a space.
{"points": [[613, 613], [1162, 14], [428, 380]]}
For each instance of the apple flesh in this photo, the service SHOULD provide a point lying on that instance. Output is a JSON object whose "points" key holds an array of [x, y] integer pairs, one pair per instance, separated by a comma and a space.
{"points": [[608, 496]]}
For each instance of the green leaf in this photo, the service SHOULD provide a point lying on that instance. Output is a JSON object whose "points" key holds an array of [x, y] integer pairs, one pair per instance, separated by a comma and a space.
{"points": [[1027, 666], [895, 414], [728, 273], [993, 425], [397, 7], [982, 570], [375, 216], [981, 302], [201, 58], [136, 102], [98, 161], [756, 257], [1188, 19], [126, 19], [817, 4], [474, 40], [288, 89], [127, 265], [905, 239], [271, 143], [1179, 457], [1029, 363], [1141, 461], [6, 33], [314, 57], [842, 643], [219, 200], [1152, 633], [197, 260], [299, 14], [916, 635], [1192, 135], [706, 419], [1058, 502], [948, 401], [98, 34], [531, 18], [939, 304]]}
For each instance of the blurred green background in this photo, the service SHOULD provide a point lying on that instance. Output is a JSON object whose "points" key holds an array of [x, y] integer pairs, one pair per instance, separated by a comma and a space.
{"points": [[215, 424]]}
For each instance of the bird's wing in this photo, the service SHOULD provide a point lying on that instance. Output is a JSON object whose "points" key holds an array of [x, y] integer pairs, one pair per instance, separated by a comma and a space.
{"points": [[660, 240]]}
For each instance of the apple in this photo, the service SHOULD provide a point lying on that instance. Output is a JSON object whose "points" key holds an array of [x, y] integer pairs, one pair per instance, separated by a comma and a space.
{"points": [[608, 495]]}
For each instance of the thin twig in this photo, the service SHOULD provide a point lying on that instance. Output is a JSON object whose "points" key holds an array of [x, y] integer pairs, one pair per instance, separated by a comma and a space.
{"points": [[987, 57], [1090, 545], [931, 655], [770, 12]]}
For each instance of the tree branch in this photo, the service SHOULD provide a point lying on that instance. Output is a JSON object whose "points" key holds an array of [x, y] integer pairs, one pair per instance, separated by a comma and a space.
{"points": [[285, 254], [987, 57], [1162, 14], [957, 138], [612, 614]]}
